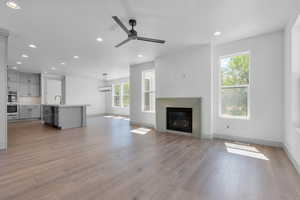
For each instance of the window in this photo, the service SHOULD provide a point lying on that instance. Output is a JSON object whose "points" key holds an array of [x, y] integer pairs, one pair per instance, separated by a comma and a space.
{"points": [[148, 91], [234, 86], [117, 95], [126, 92], [121, 95]]}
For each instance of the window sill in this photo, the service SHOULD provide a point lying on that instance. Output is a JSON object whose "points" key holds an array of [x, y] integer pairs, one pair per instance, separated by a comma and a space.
{"points": [[123, 107]]}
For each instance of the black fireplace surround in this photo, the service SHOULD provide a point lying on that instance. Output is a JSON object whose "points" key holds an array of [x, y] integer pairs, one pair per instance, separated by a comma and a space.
{"points": [[180, 119]]}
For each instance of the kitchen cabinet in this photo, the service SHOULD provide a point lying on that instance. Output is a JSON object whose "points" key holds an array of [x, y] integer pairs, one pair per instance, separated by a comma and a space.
{"points": [[12, 80], [29, 90], [29, 85], [26, 84], [29, 78], [30, 112], [48, 114], [64, 116], [12, 86], [35, 90], [12, 76], [24, 78], [24, 90], [36, 112]]}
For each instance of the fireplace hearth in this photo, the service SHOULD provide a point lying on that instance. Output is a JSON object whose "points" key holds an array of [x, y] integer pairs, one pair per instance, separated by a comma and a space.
{"points": [[180, 119]]}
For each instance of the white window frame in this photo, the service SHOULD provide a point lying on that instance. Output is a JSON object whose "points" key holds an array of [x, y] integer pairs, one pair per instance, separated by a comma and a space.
{"points": [[121, 94], [235, 86], [143, 92], [113, 95]]}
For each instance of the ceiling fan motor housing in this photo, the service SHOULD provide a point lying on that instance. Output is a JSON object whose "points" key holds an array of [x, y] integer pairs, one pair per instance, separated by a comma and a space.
{"points": [[133, 34]]}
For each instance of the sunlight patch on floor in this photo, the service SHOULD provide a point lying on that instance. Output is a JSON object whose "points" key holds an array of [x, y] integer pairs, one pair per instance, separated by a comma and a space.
{"points": [[241, 146], [245, 150], [141, 131], [117, 117]]}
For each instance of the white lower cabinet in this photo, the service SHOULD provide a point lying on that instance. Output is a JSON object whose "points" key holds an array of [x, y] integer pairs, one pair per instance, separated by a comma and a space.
{"points": [[30, 112]]}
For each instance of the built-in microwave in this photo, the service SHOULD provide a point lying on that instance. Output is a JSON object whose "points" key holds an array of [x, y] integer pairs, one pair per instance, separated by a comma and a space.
{"points": [[12, 97]]}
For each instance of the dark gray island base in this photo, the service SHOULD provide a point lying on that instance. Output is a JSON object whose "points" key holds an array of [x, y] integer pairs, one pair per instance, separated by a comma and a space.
{"points": [[64, 116]]}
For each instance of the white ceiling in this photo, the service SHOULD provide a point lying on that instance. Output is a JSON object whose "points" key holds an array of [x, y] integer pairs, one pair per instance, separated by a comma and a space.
{"points": [[64, 28]]}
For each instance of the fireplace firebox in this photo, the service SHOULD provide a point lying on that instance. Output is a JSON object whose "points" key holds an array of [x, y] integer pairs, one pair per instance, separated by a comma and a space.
{"points": [[180, 119]]}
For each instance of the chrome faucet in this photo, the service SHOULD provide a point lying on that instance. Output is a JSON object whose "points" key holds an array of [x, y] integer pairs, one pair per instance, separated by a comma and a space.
{"points": [[60, 99]]}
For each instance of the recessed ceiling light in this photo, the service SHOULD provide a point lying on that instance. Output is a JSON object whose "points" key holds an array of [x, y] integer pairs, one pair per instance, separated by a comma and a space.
{"points": [[62, 63], [19, 63], [99, 39], [140, 56], [217, 33], [75, 57], [13, 4], [15, 68], [32, 46], [53, 68], [24, 56]]}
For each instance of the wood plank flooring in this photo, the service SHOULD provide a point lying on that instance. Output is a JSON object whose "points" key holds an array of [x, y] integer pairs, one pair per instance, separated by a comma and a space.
{"points": [[106, 161]]}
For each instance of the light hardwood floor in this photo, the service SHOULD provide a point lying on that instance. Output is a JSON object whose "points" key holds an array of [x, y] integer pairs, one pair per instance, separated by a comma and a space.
{"points": [[106, 161]]}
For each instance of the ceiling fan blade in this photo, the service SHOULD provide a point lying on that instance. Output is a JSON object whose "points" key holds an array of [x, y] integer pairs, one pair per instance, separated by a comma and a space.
{"points": [[125, 41], [119, 22], [150, 40]]}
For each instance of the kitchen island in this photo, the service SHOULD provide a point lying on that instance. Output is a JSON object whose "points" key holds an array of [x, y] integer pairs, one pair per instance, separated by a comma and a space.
{"points": [[64, 116]]}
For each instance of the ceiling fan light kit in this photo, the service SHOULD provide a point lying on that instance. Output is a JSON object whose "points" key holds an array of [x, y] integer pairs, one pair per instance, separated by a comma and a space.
{"points": [[132, 34]]}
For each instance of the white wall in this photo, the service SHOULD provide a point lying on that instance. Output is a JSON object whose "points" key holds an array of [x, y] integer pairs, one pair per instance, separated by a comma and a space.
{"points": [[291, 75], [109, 109], [85, 91], [44, 81], [54, 88], [3, 88], [136, 114], [266, 90], [187, 73]]}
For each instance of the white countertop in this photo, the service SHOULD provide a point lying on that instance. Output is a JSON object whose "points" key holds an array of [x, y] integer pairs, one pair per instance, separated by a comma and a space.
{"points": [[55, 105], [63, 106]]}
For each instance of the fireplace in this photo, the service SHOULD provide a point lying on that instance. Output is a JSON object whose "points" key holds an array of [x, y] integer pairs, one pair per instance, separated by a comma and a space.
{"points": [[180, 119]]}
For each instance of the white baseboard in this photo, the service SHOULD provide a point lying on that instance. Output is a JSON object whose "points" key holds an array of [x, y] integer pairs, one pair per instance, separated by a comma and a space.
{"points": [[141, 124], [207, 136], [249, 140], [291, 157]]}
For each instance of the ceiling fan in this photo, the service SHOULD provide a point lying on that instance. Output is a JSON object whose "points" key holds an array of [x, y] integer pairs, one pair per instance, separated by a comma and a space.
{"points": [[132, 34]]}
